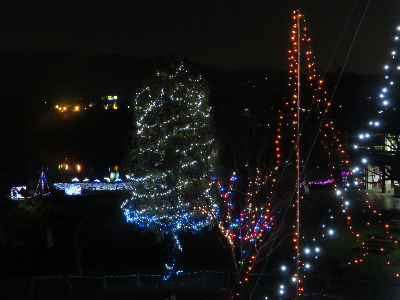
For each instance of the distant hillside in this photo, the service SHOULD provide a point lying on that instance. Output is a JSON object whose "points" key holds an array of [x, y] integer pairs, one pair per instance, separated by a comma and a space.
{"points": [[32, 135]]}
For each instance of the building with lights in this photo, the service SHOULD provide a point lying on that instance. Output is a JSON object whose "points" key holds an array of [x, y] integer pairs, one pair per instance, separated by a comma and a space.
{"points": [[68, 107], [379, 161], [109, 102]]}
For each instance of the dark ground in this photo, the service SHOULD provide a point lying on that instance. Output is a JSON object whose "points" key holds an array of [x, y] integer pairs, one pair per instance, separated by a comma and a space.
{"points": [[121, 250]]}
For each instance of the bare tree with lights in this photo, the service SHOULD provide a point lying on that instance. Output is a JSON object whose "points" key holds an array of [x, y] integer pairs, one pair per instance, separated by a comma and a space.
{"points": [[258, 213]]}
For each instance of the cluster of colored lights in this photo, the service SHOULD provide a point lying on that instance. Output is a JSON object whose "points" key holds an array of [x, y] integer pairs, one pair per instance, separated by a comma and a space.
{"points": [[250, 226], [243, 225], [42, 187]]}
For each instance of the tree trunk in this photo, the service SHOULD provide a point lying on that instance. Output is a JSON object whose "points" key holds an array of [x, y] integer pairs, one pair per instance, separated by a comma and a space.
{"points": [[226, 244], [78, 256], [233, 257]]}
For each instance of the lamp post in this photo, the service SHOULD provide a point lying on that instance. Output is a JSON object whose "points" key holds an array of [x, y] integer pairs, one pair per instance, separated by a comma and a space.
{"points": [[365, 161]]}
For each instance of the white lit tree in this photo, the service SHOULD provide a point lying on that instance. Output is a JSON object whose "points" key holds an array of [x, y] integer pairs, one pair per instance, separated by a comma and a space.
{"points": [[171, 158]]}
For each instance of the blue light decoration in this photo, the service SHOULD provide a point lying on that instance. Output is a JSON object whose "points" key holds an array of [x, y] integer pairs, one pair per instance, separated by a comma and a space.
{"points": [[173, 158], [42, 188], [73, 189], [16, 192]]}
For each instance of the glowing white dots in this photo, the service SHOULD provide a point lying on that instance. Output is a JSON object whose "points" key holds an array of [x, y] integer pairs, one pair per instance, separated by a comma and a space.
{"points": [[391, 83], [317, 249], [294, 279], [361, 136], [355, 146], [367, 135], [376, 123], [398, 27], [396, 38], [381, 96], [306, 250], [384, 90], [283, 268], [398, 67], [338, 192], [364, 160], [347, 203], [331, 232], [307, 266], [281, 289], [393, 52], [386, 67], [385, 102]]}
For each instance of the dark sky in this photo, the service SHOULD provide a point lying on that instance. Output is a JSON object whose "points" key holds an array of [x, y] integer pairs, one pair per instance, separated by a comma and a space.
{"points": [[218, 33]]}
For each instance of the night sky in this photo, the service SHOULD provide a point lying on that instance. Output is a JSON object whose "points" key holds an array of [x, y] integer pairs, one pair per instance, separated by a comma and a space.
{"points": [[221, 34]]}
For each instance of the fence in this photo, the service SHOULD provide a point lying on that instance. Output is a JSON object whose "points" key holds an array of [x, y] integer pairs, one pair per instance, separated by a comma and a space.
{"points": [[217, 285], [192, 285]]}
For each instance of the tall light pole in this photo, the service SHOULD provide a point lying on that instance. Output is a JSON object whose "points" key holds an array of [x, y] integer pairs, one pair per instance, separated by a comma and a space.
{"points": [[298, 160]]}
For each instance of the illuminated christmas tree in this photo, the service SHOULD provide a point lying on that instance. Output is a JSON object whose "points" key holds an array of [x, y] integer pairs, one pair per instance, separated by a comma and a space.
{"points": [[42, 188], [172, 156]]}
